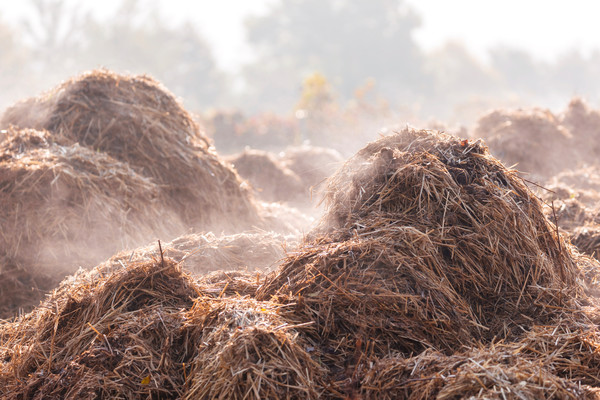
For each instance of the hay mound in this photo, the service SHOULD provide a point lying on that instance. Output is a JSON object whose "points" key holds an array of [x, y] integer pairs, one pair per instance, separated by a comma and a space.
{"points": [[587, 240], [571, 213], [434, 273], [550, 362], [586, 178], [63, 204], [270, 179], [100, 335], [312, 164], [584, 124], [534, 140], [477, 374], [137, 121], [148, 330], [247, 350], [582, 184], [428, 242], [66, 206]]}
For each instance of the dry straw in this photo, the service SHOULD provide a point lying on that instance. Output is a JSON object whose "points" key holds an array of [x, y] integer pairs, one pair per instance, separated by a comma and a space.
{"points": [[248, 351], [428, 241], [150, 331], [587, 240], [477, 374], [100, 335], [533, 140], [270, 179], [137, 121], [62, 206], [433, 274]]}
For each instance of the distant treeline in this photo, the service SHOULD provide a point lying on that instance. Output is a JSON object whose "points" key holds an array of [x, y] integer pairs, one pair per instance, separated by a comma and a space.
{"points": [[364, 49]]}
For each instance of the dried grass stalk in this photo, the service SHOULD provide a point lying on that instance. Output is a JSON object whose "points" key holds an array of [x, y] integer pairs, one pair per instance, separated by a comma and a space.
{"points": [[477, 374], [100, 335], [148, 330]]}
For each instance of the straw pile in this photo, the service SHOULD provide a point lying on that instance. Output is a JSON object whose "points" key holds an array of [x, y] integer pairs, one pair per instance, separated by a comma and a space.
{"points": [[430, 254], [573, 199], [65, 206], [488, 373], [587, 240], [312, 164], [137, 121], [571, 213], [533, 140], [433, 274], [99, 335], [248, 351], [584, 124], [582, 184], [149, 330], [270, 179], [428, 242]]}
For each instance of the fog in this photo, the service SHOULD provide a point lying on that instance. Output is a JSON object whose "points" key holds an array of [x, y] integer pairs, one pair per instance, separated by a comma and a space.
{"points": [[299, 199], [381, 56]]}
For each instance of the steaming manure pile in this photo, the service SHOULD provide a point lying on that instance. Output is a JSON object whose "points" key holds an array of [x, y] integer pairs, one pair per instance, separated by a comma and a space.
{"points": [[63, 206], [542, 143], [533, 139], [101, 163], [433, 274], [573, 204], [584, 123], [271, 180], [312, 164], [290, 176], [137, 121]]}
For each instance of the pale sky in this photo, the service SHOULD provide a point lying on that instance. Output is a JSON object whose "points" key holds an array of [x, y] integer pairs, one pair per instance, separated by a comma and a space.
{"points": [[544, 28]]}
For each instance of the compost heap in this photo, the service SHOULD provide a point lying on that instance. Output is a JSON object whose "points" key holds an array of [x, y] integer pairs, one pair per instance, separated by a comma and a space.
{"points": [[533, 140], [434, 274], [582, 184], [62, 206], [135, 120], [311, 163], [572, 198], [584, 123], [271, 180], [430, 243]]}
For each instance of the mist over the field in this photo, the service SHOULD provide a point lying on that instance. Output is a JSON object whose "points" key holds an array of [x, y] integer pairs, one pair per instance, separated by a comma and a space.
{"points": [[362, 56], [339, 211]]}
